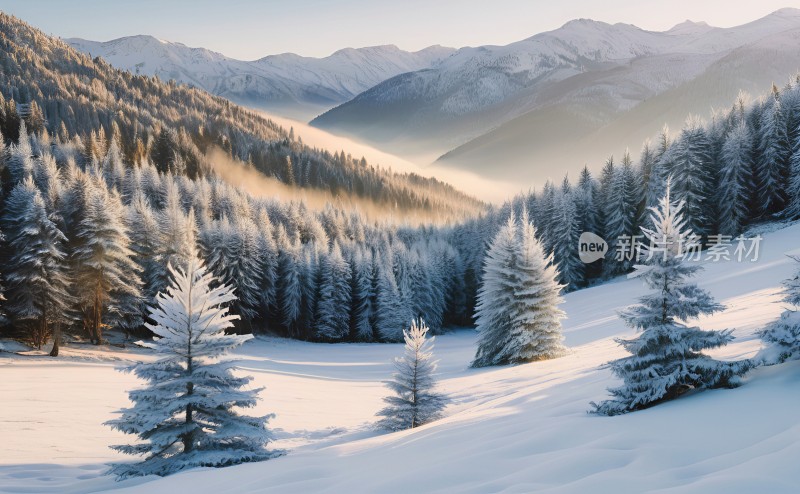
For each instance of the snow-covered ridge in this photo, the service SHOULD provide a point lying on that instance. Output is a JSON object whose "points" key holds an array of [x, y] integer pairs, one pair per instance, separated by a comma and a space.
{"points": [[285, 79], [579, 78]]}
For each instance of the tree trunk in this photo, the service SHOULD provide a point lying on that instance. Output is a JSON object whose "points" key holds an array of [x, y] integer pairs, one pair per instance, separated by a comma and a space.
{"points": [[188, 438], [56, 340], [97, 319]]}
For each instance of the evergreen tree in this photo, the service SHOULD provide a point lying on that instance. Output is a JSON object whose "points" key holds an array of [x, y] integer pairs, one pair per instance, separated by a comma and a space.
{"points": [[233, 257], [621, 214], [290, 294], [362, 296], [783, 335], [145, 236], [517, 312], [773, 153], [691, 182], [268, 258], [20, 161], [333, 316], [566, 231], [38, 286], [585, 201], [105, 273], [666, 358], [415, 401], [736, 181], [656, 180], [185, 417], [390, 312]]}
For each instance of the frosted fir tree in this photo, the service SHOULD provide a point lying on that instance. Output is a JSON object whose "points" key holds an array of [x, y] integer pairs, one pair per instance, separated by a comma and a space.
{"points": [[783, 335], [666, 358], [333, 306], [362, 310], [20, 161], [773, 151], [233, 252], [289, 290], [566, 231], [390, 311], [36, 270], [517, 312], [736, 180], [106, 274], [415, 401], [185, 415]]}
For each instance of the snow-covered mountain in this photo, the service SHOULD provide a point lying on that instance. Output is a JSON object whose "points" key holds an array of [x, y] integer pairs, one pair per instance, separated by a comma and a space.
{"points": [[295, 85], [575, 94]]}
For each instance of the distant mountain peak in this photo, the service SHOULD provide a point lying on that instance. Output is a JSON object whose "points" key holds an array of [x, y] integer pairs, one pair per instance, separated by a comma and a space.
{"points": [[690, 27], [786, 12]]}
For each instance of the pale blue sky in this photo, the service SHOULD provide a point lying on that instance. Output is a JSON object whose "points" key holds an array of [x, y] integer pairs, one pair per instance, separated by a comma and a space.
{"points": [[249, 29]]}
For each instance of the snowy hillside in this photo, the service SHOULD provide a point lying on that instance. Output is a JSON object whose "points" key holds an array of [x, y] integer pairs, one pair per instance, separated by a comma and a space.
{"points": [[509, 429], [297, 86], [522, 103]]}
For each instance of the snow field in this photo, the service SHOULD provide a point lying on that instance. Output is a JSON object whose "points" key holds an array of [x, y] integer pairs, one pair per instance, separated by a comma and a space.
{"points": [[508, 429]]}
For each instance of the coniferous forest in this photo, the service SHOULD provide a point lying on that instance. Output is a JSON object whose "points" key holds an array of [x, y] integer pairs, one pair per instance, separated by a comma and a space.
{"points": [[107, 182]]}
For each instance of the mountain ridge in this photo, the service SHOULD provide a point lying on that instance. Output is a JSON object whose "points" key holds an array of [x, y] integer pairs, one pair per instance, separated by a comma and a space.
{"points": [[475, 92], [294, 84]]}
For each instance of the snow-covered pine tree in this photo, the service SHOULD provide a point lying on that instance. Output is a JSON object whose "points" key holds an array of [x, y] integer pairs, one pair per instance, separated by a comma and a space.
{"points": [[289, 290], [415, 401], [268, 259], [333, 304], [691, 181], [362, 296], [20, 160], [566, 231], [585, 194], [666, 358], [736, 180], [309, 286], [782, 336], [658, 174], [773, 154], [390, 312], [621, 212], [105, 272], [185, 416], [517, 312], [178, 236], [38, 287], [424, 295], [233, 257], [145, 236]]}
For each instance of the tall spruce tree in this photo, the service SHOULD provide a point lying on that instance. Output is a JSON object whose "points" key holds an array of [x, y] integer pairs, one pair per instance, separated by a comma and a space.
{"points": [[105, 273], [736, 181], [666, 358], [186, 415], [36, 273], [692, 183], [333, 307], [773, 156]]}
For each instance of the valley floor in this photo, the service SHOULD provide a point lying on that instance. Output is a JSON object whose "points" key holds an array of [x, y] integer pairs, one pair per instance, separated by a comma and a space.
{"points": [[508, 429]]}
